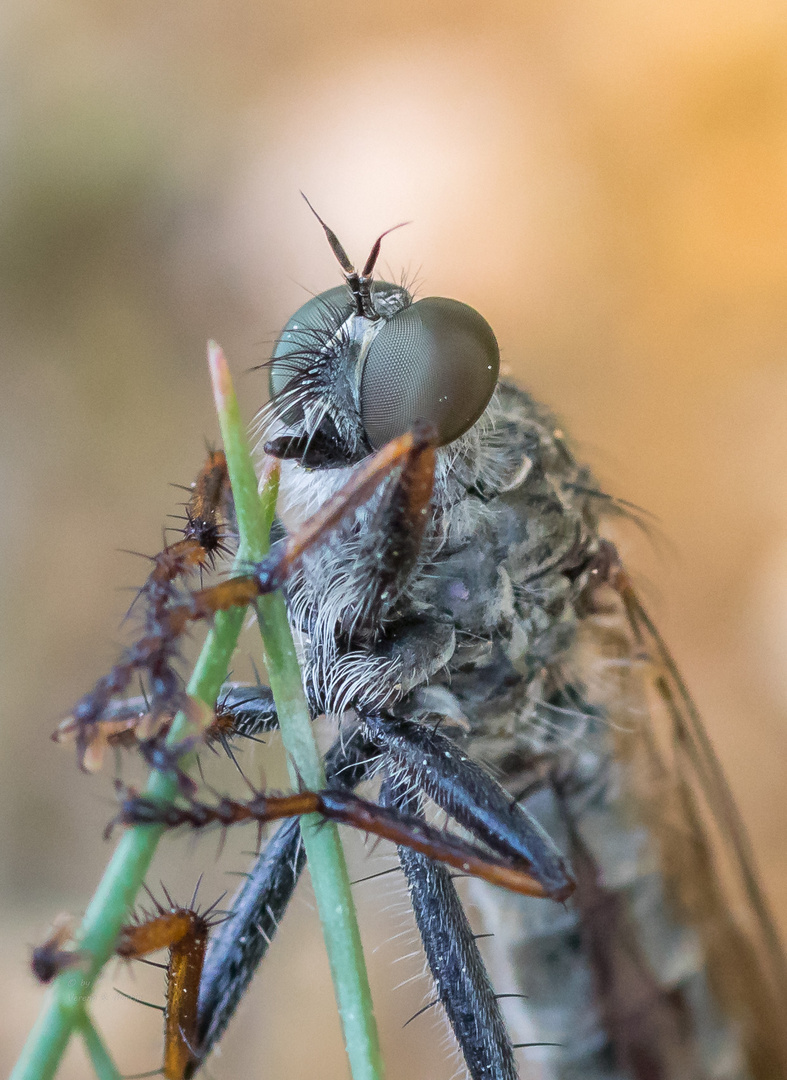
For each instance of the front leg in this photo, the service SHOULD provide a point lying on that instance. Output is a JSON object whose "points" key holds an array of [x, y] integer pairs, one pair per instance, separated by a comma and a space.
{"points": [[343, 592], [153, 654], [391, 547]]}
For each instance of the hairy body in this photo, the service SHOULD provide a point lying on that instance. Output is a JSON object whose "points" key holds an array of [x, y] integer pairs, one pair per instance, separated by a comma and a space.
{"points": [[504, 625]]}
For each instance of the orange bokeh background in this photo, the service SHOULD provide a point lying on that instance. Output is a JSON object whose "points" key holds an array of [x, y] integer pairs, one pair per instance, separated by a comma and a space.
{"points": [[606, 183]]}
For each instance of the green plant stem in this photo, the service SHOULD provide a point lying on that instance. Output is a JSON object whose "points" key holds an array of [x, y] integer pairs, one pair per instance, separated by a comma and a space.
{"points": [[325, 857], [64, 1009], [117, 890], [97, 1052]]}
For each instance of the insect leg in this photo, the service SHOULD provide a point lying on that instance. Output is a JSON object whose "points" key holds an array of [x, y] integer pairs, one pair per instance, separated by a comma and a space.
{"points": [[460, 977], [470, 795], [394, 536], [243, 711], [166, 622], [372, 678], [398, 538], [241, 942], [209, 522], [505, 867], [185, 933]]}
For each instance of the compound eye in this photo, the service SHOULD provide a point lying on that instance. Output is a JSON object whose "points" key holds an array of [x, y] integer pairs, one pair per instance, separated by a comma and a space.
{"points": [[437, 360], [303, 336]]}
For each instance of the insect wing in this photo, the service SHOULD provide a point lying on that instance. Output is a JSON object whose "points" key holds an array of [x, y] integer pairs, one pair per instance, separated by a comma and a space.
{"points": [[706, 855], [666, 962]]}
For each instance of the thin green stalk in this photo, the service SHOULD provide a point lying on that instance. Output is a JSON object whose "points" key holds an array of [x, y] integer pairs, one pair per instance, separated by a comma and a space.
{"points": [[325, 857], [97, 1052], [64, 1009]]}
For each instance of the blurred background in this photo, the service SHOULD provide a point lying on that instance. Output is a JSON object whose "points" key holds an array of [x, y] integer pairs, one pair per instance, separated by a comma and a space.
{"points": [[606, 183]]}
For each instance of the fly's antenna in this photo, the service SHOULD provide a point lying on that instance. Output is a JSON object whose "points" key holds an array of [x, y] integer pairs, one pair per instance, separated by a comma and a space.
{"points": [[360, 285]]}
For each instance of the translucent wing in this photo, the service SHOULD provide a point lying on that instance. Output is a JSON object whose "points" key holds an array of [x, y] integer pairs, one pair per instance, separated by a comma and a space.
{"points": [[706, 857], [666, 965]]}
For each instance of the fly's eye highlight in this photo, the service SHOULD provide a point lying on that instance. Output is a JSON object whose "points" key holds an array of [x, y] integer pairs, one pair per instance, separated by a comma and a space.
{"points": [[437, 360]]}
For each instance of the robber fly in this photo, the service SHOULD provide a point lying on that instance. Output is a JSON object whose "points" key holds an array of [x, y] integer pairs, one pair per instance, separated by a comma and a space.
{"points": [[482, 648], [514, 619]]}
